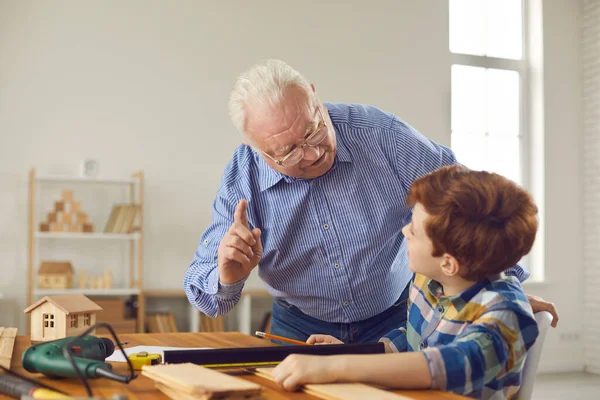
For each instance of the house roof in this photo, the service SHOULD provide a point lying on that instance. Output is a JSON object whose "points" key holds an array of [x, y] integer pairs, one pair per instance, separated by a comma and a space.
{"points": [[68, 303], [56, 267]]}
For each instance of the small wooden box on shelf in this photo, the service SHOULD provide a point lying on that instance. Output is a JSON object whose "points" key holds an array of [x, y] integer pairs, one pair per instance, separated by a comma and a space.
{"points": [[68, 221]]}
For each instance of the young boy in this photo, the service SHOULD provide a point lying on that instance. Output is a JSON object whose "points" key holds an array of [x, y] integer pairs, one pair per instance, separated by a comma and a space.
{"points": [[469, 326]]}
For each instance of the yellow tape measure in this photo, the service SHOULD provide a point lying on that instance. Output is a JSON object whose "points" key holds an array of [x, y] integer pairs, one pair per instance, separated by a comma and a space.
{"points": [[138, 360]]}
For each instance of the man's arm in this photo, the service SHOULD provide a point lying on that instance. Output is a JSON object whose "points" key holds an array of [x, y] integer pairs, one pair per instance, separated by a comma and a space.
{"points": [[518, 272], [416, 155], [227, 253]]}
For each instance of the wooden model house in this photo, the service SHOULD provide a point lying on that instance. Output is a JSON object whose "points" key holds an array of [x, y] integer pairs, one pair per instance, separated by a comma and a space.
{"points": [[56, 317], [55, 275]]}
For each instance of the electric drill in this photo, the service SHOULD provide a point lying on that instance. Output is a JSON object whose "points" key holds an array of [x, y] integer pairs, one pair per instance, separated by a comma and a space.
{"points": [[89, 353]]}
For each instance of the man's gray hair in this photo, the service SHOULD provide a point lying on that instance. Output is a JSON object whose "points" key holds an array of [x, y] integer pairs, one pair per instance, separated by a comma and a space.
{"points": [[264, 83]]}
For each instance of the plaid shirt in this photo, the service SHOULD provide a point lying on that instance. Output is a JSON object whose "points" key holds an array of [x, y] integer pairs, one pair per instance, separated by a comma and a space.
{"points": [[475, 343]]}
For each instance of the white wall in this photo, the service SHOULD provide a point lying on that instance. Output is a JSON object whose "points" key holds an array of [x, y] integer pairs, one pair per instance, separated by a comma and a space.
{"points": [[144, 85]]}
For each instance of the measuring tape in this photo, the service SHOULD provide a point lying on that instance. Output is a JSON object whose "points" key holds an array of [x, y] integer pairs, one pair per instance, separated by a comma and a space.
{"points": [[241, 365], [138, 360]]}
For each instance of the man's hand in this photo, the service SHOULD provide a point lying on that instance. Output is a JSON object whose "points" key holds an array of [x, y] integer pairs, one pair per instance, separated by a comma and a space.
{"points": [[298, 369], [240, 250], [323, 339], [538, 304]]}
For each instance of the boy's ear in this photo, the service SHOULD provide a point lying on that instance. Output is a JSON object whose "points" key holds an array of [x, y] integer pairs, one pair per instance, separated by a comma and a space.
{"points": [[449, 265]]}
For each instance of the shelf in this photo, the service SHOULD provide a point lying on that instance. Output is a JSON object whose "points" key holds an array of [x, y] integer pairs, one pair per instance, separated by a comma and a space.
{"points": [[95, 236], [88, 292], [76, 179]]}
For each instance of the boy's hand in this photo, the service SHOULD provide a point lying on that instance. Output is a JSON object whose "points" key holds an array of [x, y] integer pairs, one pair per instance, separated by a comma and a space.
{"points": [[539, 304], [323, 339], [298, 369]]}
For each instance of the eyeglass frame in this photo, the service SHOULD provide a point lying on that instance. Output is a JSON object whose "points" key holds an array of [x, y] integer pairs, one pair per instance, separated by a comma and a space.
{"points": [[321, 125]]}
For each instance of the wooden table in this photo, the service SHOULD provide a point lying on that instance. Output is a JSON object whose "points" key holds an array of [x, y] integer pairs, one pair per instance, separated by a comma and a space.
{"points": [[142, 388]]}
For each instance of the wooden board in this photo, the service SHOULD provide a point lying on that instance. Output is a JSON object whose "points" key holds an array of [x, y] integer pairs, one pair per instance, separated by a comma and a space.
{"points": [[7, 343], [340, 391], [194, 380], [177, 395]]}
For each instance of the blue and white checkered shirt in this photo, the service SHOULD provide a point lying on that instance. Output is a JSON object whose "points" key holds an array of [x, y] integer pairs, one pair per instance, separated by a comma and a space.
{"points": [[475, 342], [333, 245]]}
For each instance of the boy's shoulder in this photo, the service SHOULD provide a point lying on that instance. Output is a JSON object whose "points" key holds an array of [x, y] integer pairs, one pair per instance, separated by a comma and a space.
{"points": [[503, 291], [492, 294]]}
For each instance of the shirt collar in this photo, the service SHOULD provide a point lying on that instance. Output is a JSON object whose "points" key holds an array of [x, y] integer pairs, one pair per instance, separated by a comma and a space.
{"points": [[460, 300]]}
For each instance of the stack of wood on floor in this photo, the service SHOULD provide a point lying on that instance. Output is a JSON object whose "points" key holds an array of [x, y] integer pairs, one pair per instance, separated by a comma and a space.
{"points": [[162, 323], [189, 381], [67, 216], [114, 313], [7, 343], [340, 391]]}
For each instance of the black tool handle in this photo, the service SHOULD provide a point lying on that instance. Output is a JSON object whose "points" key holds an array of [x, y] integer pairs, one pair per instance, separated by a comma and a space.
{"points": [[15, 387]]}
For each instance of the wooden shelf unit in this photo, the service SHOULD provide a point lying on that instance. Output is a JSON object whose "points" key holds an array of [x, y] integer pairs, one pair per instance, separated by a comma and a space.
{"points": [[136, 240]]}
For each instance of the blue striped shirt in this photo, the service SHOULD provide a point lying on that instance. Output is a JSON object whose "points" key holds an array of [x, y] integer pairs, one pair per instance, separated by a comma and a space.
{"points": [[333, 245]]}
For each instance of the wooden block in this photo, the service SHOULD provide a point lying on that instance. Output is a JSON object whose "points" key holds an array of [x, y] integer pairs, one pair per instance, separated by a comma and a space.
{"points": [[7, 343], [51, 217], [44, 227], [82, 280], [194, 380], [56, 227], [82, 217], [73, 228], [67, 217], [59, 206], [67, 195], [75, 207], [87, 227], [340, 391], [107, 279]]}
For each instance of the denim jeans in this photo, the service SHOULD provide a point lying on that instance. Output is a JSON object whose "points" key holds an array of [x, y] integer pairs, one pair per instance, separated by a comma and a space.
{"points": [[288, 321]]}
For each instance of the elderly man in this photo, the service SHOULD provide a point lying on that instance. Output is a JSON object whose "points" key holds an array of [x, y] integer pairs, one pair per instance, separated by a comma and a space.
{"points": [[315, 196]]}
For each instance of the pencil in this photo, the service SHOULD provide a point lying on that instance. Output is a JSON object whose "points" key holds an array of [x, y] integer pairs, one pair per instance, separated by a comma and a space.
{"points": [[283, 339]]}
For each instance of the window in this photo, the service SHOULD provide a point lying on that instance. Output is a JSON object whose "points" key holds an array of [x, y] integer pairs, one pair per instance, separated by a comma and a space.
{"points": [[86, 319], [48, 320], [73, 321], [487, 78]]}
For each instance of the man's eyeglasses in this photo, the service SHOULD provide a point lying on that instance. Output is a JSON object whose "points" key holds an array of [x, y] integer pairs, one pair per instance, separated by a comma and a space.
{"points": [[296, 154]]}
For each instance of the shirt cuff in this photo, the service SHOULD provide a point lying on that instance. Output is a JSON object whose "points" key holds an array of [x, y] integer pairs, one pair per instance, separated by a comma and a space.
{"points": [[222, 290], [437, 368], [396, 340]]}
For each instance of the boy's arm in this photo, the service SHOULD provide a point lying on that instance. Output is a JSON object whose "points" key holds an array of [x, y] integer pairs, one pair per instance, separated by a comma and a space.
{"points": [[401, 370], [496, 342]]}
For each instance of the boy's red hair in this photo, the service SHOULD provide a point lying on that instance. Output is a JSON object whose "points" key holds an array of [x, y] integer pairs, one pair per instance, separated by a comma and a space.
{"points": [[485, 221]]}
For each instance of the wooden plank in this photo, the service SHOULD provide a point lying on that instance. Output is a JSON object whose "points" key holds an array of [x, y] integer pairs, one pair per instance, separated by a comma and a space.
{"points": [[340, 391], [195, 380], [7, 343]]}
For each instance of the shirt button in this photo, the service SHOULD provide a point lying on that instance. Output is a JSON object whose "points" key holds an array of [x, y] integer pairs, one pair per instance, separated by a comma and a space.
{"points": [[441, 309], [325, 226], [215, 287], [346, 303], [206, 241], [336, 265], [422, 345]]}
